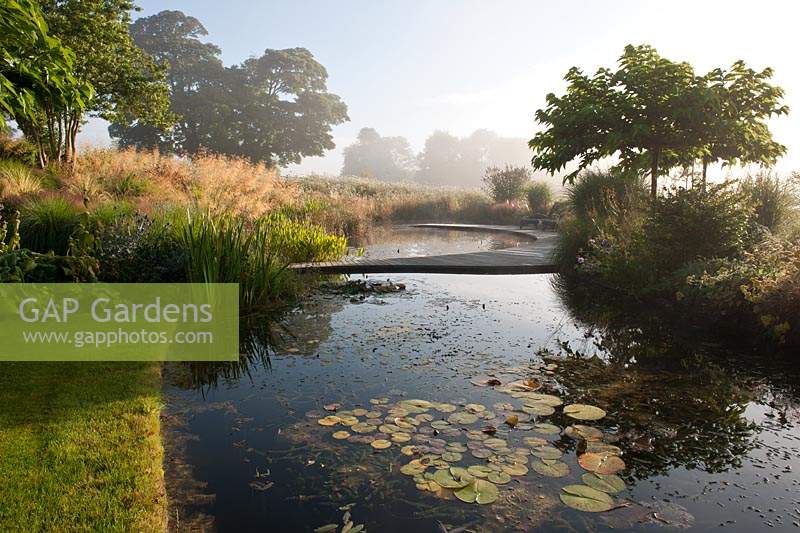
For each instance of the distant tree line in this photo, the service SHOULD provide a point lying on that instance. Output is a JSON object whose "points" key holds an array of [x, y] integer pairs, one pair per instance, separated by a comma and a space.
{"points": [[157, 82], [445, 159]]}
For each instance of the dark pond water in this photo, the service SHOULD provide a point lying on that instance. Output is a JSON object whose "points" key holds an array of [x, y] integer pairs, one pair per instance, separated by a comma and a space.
{"points": [[708, 441]]}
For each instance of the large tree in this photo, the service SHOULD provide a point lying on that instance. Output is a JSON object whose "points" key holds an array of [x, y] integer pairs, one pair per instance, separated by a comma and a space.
{"points": [[274, 108], [127, 83], [654, 114], [373, 156], [36, 77]]}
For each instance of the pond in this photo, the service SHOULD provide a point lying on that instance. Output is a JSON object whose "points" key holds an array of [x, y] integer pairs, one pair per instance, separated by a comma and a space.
{"points": [[483, 403]]}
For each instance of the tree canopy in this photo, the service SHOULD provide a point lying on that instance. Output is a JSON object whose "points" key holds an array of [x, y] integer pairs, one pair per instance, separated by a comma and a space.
{"points": [[655, 114], [273, 108], [384, 158]]}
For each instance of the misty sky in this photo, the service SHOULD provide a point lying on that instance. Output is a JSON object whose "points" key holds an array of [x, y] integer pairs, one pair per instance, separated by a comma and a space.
{"points": [[412, 66]]}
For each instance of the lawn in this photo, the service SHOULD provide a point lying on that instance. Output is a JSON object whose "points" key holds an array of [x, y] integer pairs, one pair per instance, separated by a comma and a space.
{"points": [[80, 447]]}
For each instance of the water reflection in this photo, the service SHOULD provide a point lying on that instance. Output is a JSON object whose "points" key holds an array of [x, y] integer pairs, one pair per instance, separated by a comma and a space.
{"points": [[708, 437]]}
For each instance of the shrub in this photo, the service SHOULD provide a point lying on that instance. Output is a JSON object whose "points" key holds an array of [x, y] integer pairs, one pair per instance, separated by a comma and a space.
{"points": [[686, 225], [18, 150], [598, 194], [110, 213], [46, 224], [774, 200], [539, 196], [506, 184], [17, 179]]}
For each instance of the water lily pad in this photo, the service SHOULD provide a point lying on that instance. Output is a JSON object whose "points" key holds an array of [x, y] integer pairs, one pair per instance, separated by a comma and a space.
{"points": [[535, 441], [452, 457], [409, 450], [456, 447], [601, 463], [538, 409], [580, 431], [400, 437], [389, 428], [550, 468], [329, 420], [462, 417], [587, 499], [501, 478], [547, 429], [546, 452], [362, 428], [424, 417], [479, 491], [332, 407], [452, 478], [546, 399], [348, 420], [380, 444], [607, 483], [413, 468], [444, 407], [340, 435], [374, 414], [581, 411], [474, 408], [480, 471], [360, 412], [440, 424], [602, 447], [515, 469], [379, 401], [481, 453]]}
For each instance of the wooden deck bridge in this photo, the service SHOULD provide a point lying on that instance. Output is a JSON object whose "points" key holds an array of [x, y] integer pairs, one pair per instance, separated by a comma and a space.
{"points": [[535, 257]]}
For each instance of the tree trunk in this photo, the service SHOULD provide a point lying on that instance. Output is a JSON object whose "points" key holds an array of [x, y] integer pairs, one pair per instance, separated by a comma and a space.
{"points": [[705, 169], [654, 155]]}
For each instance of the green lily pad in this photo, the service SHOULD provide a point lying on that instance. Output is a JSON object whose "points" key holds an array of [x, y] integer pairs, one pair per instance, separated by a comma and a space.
{"points": [[474, 408], [462, 417], [444, 407], [415, 406], [480, 471], [538, 409], [501, 478], [452, 478], [413, 468], [546, 452], [452, 457], [587, 499], [579, 431], [515, 469], [602, 447], [481, 453], [536, 397], [479, 491], [550, 468], [610, 483], [547, 429], [440, 424], [581, 411]]}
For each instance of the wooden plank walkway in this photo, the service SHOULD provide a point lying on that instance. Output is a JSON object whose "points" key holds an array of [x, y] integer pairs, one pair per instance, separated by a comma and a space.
{"points": [[532, 258]]}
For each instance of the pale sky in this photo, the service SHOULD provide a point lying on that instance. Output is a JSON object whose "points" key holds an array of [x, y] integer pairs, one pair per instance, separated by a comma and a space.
{"points": [[410, 67]]}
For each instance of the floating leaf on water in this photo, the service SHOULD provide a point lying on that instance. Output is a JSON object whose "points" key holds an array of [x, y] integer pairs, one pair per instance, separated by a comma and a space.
{"points": [[452, 478], [339, 435], [580, 431], [474, 408], [587, 499], [348, 420], [538, 409], [379, 401], [440, 424], [581, 411], [481, 453], [326, 528], [415, 406], [452, 457], [546, 452], [512, 420], [456, 447], [331, 420], [374, 414], [550, 468], [607, 483], [479, 491], [261, 486], [601, 463], [501, 478], [462, 417], [480, 471], [546, 399], [380, 444], [495, 443], [503, 406], [413, 468], [527, 385], [489, 430], [360, 412], [424, 417], [601, 447], [444, 407], [332, 407], [389, 428], [362, 428], [515, 469], [404, 423], [409, 450], [535, 441], [547, 429], [401, 437]]}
